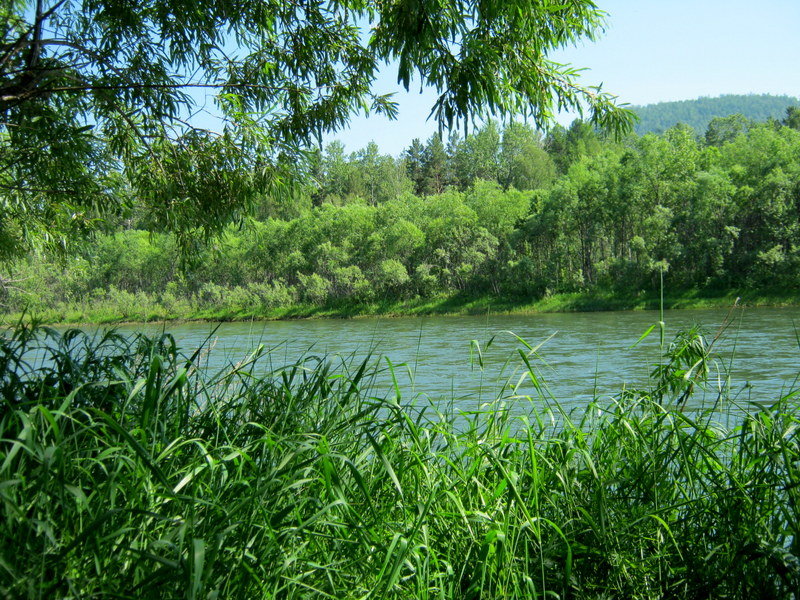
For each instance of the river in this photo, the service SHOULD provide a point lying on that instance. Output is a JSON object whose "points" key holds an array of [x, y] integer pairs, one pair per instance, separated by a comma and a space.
{"points": [[580, 355]]}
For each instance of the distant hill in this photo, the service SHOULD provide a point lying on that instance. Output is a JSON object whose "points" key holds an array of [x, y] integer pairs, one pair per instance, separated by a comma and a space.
{"points": [[659, 117]]}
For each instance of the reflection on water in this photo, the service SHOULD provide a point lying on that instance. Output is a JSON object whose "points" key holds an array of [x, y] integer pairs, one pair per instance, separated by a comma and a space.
{"points": [[578, 356]]}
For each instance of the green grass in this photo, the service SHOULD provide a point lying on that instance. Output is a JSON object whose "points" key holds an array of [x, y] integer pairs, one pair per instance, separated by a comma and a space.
{"points": [[148, 309], [126, 471]]}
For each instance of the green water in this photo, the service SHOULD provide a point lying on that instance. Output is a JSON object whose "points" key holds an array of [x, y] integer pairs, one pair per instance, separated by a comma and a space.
{"points": [[582, 355]]}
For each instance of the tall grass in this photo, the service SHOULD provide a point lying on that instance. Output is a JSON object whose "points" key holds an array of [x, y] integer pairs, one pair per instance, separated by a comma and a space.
{"points": [[128, 472]]}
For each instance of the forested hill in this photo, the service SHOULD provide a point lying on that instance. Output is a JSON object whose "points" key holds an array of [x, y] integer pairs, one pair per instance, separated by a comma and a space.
{"points": [[659, 117]]}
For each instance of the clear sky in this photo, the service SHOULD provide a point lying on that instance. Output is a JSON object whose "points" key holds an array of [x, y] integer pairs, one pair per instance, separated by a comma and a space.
{"points": [[651, 51]]}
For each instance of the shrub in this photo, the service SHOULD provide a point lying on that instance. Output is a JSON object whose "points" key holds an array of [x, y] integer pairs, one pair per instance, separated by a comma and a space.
{"points": [[391, 277], [313, 288]]}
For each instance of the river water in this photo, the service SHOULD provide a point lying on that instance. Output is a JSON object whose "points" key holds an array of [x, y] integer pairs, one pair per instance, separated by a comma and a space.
{"points": [[472, 360]]}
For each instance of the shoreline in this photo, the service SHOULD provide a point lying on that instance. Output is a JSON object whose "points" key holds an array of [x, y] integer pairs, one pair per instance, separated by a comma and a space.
{"points": [[419, 307]]}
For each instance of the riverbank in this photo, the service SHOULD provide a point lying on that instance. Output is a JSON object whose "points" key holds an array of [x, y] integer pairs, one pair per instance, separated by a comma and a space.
{"points": [[143, 308]]}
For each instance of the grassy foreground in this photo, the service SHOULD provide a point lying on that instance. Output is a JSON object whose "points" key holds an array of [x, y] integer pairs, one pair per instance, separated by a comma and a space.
{"points": [[128, 472], [122, 307]]}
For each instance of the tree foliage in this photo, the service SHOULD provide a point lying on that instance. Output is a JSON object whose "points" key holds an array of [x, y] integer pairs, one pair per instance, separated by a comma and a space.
{"points": [[721, 216], [97, 97]]}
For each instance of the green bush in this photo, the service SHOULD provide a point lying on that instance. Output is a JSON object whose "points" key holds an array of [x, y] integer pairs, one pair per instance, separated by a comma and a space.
{"points": [[273, 294], [313, 288], [391, 277]]}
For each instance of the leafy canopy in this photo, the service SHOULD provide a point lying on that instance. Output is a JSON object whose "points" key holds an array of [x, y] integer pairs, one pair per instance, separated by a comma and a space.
{"points": [[98, 97]]}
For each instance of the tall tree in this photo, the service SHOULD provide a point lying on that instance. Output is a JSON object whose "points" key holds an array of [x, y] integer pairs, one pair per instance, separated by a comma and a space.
{"points": [[524, 165], [725, 129], [414, 157], [484, 152], [567, 146], [377, 177], [460, 161], [434, 167], [792, 117], [334, 171]]}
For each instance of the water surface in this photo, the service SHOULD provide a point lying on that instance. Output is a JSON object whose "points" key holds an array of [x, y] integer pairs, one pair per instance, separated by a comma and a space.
{"points": [[579, 355]]}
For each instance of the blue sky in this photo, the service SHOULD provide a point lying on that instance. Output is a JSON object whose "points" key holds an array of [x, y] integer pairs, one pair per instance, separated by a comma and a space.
{"points": [[652, 50]]}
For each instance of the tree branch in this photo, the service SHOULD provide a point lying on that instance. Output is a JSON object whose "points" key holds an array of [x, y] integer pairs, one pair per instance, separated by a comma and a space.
{"points": [[21, 41], [163, 86], [22, 188]]}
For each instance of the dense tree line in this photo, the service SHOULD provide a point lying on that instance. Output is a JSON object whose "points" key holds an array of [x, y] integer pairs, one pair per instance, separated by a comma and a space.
{"points": [[502, 211], [698, 113]]}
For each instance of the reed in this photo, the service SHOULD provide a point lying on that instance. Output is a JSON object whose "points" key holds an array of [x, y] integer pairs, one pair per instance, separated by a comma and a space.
{"points": [[127, 471]]}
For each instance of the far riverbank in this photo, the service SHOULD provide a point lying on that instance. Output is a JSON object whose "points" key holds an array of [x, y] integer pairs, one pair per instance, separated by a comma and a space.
{"points": [[145, 308]]}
